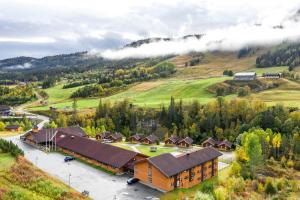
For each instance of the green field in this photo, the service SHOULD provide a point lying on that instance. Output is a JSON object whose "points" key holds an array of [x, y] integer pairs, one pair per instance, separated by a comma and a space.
{"points": [[57, 93], [145, 149], [260, 71], [152, 94]]}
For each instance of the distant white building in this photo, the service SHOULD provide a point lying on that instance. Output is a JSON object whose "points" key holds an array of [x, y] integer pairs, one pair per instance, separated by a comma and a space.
{"points": [[245, 76], [272, 75]]}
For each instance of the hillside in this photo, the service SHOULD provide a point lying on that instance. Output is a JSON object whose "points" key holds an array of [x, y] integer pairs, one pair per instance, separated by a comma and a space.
{"points": [[19, 179]]}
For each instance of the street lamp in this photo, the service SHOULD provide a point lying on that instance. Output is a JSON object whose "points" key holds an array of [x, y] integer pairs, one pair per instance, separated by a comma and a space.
{"points": [[69, 180]]}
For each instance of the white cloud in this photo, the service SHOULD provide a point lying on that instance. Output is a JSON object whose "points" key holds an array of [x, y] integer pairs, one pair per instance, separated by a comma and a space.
{"points": [[28, 40]]}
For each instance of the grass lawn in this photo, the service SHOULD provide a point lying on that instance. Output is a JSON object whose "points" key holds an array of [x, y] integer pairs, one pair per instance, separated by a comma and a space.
{"points": [[260, 71], [57, 93], [150, 94], [9, 133], [145, 149], [190, 193], [6, 161]]}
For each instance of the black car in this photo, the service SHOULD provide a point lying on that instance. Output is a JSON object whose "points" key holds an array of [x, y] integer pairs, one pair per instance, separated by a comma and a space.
{"points": [[69, 158], [132, 181]]}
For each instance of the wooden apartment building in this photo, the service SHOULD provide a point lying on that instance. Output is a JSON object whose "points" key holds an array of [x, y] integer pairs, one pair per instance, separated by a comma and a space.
{"points": [[167, 172]]}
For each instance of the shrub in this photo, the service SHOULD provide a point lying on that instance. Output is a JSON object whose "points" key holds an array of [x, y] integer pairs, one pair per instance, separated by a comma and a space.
{"points": [[10, 147], [283, 161], [290, 164], [244, 91], [221, 193], [294, 185], [280, 183], [297, 165], [235, 169], [207, 187], [203, 196], [260, 188], [270, 189]]}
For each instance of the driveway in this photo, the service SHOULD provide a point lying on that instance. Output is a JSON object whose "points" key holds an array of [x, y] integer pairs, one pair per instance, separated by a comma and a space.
{"points": [[102, 186]]}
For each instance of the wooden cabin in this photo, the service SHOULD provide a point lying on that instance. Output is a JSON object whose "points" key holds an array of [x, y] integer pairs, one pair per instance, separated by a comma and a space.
{"points": [[172, 141], [13, 128], [136, 138], [186, 142], [151, 139]]}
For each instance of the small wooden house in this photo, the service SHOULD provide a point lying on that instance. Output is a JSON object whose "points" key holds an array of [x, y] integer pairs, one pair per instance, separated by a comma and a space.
{"points": [[186, 142], [135, 138], [225, 145], [105, 135], [210, 142], [172, 141], [151, 139], [13, 128], [116, 137]]}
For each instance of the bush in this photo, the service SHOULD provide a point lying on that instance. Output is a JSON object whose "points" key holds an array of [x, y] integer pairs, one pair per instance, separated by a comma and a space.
{"points": [[244, 91], [294, 185], [203, 196], [290, 164], [283, 161], [269, 188], [221, 193], [10, 147], [260, 188], [235, 169], [297, 166], [207, 187]]}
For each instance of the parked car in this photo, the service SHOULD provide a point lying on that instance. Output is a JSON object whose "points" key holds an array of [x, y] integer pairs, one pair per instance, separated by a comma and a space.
{"points": [[69, 158], [132, 181]]}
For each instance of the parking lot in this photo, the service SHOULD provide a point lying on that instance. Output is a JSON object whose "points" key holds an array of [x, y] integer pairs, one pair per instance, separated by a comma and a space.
{"points": [[100, 185]]}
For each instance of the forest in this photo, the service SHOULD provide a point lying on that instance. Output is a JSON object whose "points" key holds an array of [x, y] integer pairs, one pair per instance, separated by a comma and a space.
{"points": [[286, 55], [16, 95]]}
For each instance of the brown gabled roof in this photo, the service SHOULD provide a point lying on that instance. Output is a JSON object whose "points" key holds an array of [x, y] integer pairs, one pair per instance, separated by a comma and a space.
{"points": [[174, 138], [138, 137], [226, 142], [187, 140], [47, 134], [104, 153], [12, 127], [152, 138], [116, 136], [170, 165], [211, 141]]}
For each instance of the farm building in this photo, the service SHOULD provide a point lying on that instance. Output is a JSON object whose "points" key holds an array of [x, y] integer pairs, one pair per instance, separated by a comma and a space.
{"points": [[245, 76], [5, 110], [13, 128], [172, 141], [136, 138], [186, 142], [109, 157], [151, 139], [167, 172], [272, 75]]}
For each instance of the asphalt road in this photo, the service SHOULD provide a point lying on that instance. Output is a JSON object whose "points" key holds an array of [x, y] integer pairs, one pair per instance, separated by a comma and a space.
{"points": [[101, 186]]}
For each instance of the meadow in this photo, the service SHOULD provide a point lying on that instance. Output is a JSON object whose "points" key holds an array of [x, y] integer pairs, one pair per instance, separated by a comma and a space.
{"points": [[150, 94]]}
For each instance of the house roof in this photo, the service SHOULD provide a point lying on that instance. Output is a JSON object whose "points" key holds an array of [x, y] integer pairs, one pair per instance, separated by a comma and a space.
{"points": [[137, 136], [152, 138], [170, 165], [4, 107], [116, 135], [47, 134], [187, 140], [245, 74], [12, 126], [104, 153], [211, 141], [174, 138], [226, 142]]}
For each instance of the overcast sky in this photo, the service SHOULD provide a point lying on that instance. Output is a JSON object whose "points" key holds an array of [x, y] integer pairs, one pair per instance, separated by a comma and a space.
{"points": [[39, 27]]}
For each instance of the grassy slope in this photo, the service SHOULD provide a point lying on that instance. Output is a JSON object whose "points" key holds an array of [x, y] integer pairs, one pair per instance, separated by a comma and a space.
{"points": [[19, 191], [189, 83]]}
